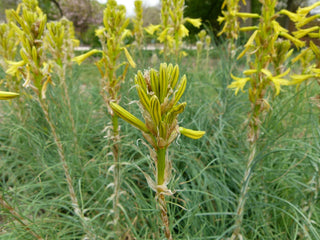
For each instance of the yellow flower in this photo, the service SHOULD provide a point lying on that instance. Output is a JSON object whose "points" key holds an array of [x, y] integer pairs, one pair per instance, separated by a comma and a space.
{"points": [[129, 58], [295, 41], [99, 31], [183, 31], [125, 115], [238, 83], [315, 49], [248, 44], [152, 28], [298, 79], [196, 22], [277, 80], [14, 67], [191, 133], [304, 11], [7, 95], [247, 15], [293, 16], [81, 58], [302, 32]]}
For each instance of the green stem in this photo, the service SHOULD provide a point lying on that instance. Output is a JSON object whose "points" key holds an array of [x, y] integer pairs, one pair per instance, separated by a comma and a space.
{"points": [[161, 165], [161, 168]]}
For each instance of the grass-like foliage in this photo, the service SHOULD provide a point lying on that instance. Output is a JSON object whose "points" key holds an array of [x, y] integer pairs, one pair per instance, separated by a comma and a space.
{"points": [[207, 173], [62, 178]]}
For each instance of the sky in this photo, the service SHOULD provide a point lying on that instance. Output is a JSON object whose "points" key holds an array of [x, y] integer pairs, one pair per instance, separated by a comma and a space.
{"points": [[129, 4]]}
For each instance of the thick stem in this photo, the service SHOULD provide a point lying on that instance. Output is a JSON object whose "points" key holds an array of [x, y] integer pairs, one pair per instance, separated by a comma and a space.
{"points": [[164, 214], [243, 194], [20, 218], [161, 167], [77, 210]]}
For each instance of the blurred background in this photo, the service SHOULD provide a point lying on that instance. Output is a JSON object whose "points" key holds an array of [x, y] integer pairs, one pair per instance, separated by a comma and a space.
{"points": [[87, 15]]}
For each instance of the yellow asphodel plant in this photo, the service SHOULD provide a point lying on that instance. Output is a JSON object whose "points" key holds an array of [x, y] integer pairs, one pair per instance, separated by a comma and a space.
{"points": [[172, 29], [113, 71], [231, 26], [159, 94], [265, 77]]}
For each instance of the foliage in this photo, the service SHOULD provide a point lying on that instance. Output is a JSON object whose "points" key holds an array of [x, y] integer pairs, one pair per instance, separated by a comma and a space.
{"points": [[78, 197]]}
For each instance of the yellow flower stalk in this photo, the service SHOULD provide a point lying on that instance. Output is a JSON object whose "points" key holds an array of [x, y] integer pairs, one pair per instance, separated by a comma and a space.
{"points": [[8, 50], [138, 22], [172, 29], [36, 70], [267, 55], [238, 83], [230, 18], [309, 56], [112, 37], [59, 41], [159, 94]]}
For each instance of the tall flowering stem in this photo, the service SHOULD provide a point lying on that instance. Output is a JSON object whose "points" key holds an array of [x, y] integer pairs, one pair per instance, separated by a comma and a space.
{"points": [[230, 17], [30, 24], [9, 42], [112, 37], [59, 41], [137, 24], [265, 78], [172, 30], [309, 59], [159, 94]]}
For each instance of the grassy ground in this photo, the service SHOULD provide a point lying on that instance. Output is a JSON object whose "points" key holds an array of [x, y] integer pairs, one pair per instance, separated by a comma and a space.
{"points": [[282, 201]]}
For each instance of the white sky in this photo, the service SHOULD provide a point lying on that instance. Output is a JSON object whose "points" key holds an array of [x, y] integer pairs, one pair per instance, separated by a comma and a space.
{"points": [[129, 4]]}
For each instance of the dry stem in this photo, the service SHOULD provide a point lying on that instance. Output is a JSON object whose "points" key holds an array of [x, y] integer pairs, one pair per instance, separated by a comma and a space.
{"points": [[164, 214], [243, 194], [20, 218], [77, 210]]}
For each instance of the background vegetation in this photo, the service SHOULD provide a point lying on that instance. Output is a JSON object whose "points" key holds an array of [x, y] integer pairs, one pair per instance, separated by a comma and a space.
{"points": [[207, 173], [283, 198]]}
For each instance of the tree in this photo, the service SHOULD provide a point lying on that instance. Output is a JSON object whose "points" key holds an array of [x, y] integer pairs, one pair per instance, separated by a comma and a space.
{"points": [[207, 10], [151, 15]]}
